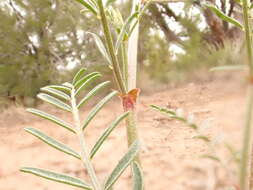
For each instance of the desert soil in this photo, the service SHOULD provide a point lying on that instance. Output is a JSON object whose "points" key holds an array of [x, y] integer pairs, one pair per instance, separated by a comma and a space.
{"points": [[171, 157]]}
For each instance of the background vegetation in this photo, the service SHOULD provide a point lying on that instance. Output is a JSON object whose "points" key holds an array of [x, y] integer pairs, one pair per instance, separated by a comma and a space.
{"points": [[45, 42]]}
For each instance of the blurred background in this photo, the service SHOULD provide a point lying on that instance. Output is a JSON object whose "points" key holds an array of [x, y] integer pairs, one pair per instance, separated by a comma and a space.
{"points": [[45, 42]]}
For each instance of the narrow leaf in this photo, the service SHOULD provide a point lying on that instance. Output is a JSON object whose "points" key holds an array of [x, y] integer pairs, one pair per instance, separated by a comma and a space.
{"points": [[84, 79], [163, 110], [98, 107], [137, 176], [56, 177], [92, 93], [56, 92], [82, 87], [234, 154], [60, 87], [224, 17], [52, 118], [122, 165], [124, 29], [101, 46], [78, 75], [211, 157], [67, 84], [88, 6], [202, 137], [140, 15], [106, 133], [54, 101], [228, 68], [50, 141]]}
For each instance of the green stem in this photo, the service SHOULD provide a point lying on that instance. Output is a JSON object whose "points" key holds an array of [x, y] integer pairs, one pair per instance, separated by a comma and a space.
{"points": [[111, 49], [248, 34], [125, 63], [245, 158], [132, 132], [245, 166], [84, 153]]}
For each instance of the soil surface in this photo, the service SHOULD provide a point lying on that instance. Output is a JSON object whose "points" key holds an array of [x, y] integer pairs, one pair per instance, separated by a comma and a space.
{"points": [[171, 157]]}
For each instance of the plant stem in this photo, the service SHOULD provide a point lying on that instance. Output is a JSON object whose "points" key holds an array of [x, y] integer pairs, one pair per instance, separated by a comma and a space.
{"points": [[125, 63], [132, 132], [131, 121], [111, 49], [251, 171], [248, 34], [245, 167], [127, 82], [245, 158], [84, 154], [133, 52]]}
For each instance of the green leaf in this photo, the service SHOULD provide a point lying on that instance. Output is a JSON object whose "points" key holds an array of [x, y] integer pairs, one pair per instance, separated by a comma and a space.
{"points": [[92, 93], [54, 101], [122, 165], [50, 141], [172, 114], [56, 177], [67, 84], [211, 157], [97, 108], [140, 15], [224, 17], [234, 153], [101, 46], [251, 6], [60, 87], [163, 110], [52, 118], [137, 176], [124, 29], [55, 92], [106, 133], [85, 81], [202, 137], [229, 68], [89, 6], [78, 75]]}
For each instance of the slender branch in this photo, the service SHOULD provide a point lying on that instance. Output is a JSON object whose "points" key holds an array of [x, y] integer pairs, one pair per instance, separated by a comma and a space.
{"points": [[247, 141], [84, 154], [111, 49], [244, 169], [248, 35], [125, 63]]}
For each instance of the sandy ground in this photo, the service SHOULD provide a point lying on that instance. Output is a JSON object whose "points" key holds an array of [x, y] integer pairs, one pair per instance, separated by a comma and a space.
{"points": [[171, 158]]}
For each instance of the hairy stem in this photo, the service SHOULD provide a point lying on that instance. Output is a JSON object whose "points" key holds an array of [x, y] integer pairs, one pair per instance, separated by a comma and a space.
{"points": [[132, 132], [84, 153]]}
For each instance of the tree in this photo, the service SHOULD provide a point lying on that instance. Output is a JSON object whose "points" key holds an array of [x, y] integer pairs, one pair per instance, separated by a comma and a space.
{"points": [[37, 40]]}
